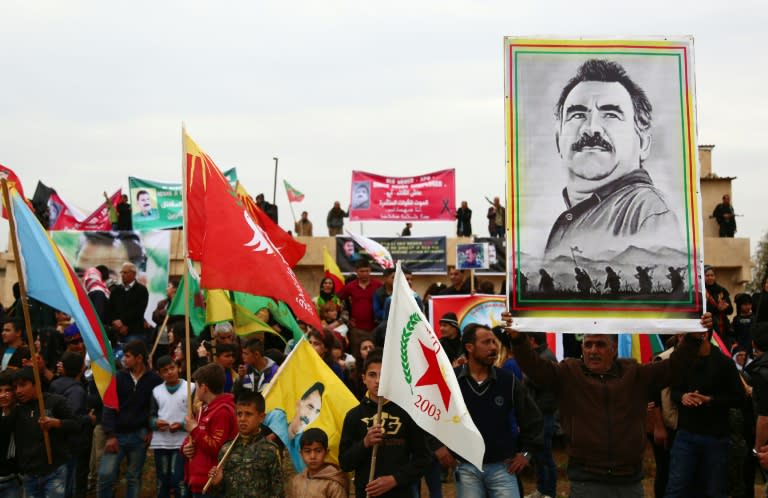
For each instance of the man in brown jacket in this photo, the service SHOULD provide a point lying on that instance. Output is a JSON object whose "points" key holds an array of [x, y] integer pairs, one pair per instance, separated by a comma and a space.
{"points": [[603, 404]]}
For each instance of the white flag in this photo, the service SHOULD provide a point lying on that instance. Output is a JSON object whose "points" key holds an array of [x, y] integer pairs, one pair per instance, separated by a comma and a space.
{"points": [[417, 376], [377, 251]]}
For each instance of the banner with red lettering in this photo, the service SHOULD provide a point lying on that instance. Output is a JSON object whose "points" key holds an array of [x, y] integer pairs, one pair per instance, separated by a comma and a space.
{"points": [[429, 197]]}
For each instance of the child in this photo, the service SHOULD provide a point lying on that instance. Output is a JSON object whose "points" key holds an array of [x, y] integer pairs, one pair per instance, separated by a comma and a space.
{"points": [[216, 425], [9, 480], [253, 467], [225, 356], [319, 479], [403, 456], [40, 479], [257, 369], [742, 323], [167, 412]]}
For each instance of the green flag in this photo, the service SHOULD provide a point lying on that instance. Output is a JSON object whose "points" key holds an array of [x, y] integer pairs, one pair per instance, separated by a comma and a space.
{"points": [[196, 304], [280, 311]]}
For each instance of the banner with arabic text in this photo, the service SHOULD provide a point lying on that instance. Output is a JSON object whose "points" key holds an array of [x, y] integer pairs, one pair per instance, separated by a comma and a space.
{"points": [[429, 197], [421, 255]]}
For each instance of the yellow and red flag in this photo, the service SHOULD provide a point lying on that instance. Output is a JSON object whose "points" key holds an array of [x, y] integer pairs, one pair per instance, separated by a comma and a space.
{"points": [[332, 271], [234, 251]]}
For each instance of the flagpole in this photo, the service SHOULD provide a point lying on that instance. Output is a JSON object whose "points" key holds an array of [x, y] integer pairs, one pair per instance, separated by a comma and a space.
{"points": [[185, 219], [472, 281], [375, 451], [27, 319], [274, 185], [157, 339], [221, 462]]}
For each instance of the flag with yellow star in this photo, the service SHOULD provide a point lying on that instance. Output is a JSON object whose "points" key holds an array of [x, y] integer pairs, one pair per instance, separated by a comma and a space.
{"points": [[417, 375]]}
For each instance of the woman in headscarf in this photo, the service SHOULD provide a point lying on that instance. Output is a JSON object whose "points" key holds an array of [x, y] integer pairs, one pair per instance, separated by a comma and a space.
{"points": [[98, 292]]}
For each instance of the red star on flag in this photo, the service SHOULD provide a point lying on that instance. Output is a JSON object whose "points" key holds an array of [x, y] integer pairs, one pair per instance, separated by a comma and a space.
{"points": [[433, 375]]}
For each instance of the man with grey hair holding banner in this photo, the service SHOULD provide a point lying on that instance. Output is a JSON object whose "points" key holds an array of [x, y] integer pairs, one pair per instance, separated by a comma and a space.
{"points": [[603, 138]]}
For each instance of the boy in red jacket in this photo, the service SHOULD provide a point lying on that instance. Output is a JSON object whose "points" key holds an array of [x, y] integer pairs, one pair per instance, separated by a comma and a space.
{"points": [[215, 424]]}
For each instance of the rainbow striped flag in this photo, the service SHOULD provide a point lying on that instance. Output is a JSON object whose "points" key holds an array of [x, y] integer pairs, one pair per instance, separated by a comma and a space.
{"points": [[641, 347], [50, 280]]}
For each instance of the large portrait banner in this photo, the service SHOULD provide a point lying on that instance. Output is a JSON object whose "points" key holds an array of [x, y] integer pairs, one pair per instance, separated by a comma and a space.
{"points": [[428, 197], [604, 205]]}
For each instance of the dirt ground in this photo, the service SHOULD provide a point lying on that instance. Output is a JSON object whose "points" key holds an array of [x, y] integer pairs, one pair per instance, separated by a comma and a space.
{"points": [[528, 477]]}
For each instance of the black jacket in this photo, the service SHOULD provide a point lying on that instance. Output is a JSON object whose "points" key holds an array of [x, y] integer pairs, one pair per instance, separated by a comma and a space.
{"points": [[403, 453], [74, 392], [129, 306], [30, 448], [134, 402]]}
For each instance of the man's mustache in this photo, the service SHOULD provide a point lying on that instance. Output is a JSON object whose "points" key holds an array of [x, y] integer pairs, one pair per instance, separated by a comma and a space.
{"points": [[595, 140]]}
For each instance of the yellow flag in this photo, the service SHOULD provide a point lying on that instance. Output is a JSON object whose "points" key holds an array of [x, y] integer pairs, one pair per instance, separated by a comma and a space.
{"points": [[306, 393], [219, 308]]}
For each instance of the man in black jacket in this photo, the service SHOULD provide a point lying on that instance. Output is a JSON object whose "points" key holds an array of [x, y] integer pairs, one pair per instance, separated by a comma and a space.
{"points": [[402, 456], [493, 396], [127, 429], [127, 304], [40, 479]]}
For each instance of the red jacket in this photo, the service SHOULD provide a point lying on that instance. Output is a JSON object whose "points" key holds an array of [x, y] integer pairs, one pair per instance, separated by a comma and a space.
{"points": [[216, 425]]}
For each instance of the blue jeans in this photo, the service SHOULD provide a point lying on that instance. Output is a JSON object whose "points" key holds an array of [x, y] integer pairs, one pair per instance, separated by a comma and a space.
{"points": [[433, 480], [546, 470], [134, 449], [698, 466], [47, 485], [169, 466], [10, 489], [494, 482]]}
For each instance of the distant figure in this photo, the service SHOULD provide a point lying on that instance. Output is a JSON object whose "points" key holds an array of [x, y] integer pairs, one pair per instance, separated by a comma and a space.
{"points": [[335, 219], [676, 279], [496, 219], [407, 230], [522, 282], [303, 227], [583, 281], [546, 284], [612, 280], [464, 220], [269, 209], [124, 221], [644, 279], [726, 218]]}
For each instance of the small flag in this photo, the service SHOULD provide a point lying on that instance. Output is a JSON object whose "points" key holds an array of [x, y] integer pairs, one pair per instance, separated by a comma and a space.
{"points": [[305, 379], [332, 271], [417, 376], [196, 302], [375, 250], [293, 194]]}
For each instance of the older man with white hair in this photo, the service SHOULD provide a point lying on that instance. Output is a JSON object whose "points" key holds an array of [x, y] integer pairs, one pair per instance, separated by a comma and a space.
{"points": [[127, 304]]}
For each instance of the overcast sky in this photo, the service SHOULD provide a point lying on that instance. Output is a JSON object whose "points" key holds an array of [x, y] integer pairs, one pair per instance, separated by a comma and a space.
{"points": [[94, 92]]}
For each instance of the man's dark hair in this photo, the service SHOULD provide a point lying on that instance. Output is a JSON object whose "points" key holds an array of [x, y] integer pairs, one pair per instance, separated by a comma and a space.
{"points": [[254, 398], [140, 192], [317, 386], [314, 435], [362, 263], [136, 347], [225, 348], [538, 337], [72, 363], [104, 272], [387, 272], [609, 72], [212, 375], [164, 361], [255, 346], [374, 356], [18, 325], [469, 334], [760, 337]]}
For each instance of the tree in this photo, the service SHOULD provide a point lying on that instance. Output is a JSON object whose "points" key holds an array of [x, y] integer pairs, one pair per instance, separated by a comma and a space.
{"points": [[759, 265]]}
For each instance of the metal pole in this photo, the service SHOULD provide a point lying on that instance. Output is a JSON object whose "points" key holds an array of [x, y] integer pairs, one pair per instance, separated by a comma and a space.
{"points": [[274, 188]]}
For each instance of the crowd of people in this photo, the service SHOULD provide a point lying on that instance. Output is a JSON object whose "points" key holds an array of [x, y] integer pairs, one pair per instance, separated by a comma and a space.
{"points": [[700, 411]]}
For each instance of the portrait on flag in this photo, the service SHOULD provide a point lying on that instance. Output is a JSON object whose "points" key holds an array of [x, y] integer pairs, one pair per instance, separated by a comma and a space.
{"points": [[428, 197], [603, 182], [149, 251], [145, 203]]}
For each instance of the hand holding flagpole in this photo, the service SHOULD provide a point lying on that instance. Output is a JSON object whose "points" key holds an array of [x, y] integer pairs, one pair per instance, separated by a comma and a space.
{"points": [[27, 319], [215, 470]]}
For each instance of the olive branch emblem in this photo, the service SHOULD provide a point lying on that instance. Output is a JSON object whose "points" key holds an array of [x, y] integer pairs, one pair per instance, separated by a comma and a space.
{"points": [[404, 338]]}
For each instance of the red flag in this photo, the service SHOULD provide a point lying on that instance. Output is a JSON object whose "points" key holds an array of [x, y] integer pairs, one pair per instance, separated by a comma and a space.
{"points": [[13, 182], [97, 220], [291, 249], [234, 251]]}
